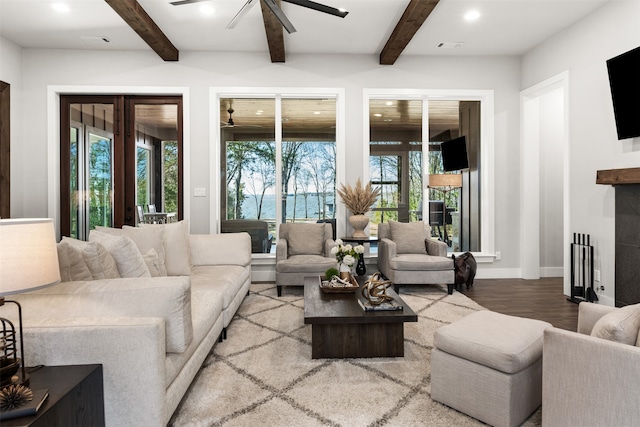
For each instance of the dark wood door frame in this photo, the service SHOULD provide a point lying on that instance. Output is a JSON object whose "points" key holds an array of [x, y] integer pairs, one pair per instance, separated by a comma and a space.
{"points": [[5, 150]]}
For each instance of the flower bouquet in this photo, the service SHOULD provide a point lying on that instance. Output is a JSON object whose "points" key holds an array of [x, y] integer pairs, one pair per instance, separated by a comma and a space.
{"points": [[347, 256]]}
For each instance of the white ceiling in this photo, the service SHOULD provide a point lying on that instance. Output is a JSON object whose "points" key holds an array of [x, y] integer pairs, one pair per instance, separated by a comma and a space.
{"points": [[506, 27]]}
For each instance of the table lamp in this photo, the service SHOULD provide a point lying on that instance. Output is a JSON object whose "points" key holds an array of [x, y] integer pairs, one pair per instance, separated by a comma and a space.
{"points": [[28, 261]]}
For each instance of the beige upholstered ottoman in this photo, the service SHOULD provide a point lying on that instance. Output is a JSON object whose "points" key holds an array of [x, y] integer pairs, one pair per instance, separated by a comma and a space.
{"points": [[489, 366]]}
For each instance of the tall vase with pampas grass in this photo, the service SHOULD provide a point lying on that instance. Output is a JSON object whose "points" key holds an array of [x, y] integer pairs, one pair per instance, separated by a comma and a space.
{"points": [[359, 200]]}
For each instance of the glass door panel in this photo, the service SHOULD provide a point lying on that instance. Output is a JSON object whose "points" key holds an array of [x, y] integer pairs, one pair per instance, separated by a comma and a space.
{"points": [[100, 178], [143, 176], [308, 159]]}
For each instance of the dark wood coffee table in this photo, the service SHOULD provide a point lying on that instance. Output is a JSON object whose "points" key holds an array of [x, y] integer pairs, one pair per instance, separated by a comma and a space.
{"points": [[340, 328]]}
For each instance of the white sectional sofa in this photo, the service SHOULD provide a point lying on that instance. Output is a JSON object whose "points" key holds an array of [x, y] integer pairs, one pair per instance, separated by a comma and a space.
{"points": [[151, 334]]}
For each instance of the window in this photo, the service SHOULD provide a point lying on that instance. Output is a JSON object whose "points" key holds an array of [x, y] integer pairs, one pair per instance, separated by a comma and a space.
{"points": [[278, 158], [411, 175]]}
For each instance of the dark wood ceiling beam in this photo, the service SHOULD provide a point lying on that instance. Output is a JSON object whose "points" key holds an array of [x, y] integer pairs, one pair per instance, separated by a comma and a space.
{"points": [[275, 33], [412, 19], [136, 17]]}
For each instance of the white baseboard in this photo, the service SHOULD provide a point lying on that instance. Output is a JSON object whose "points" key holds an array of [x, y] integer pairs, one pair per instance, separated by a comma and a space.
{"points": [[551, 271], [498, 273]]}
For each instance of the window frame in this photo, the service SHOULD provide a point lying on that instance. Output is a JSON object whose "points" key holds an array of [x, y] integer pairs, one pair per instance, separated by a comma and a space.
{"points": [[216, 179], [487, 157]]}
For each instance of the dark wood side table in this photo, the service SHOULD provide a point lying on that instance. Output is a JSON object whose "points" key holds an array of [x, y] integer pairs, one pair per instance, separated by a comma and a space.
{"points": [[76, 397], [361, 268]]}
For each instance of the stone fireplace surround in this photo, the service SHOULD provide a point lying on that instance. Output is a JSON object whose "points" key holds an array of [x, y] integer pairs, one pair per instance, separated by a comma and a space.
{"points": [[627, 232]]}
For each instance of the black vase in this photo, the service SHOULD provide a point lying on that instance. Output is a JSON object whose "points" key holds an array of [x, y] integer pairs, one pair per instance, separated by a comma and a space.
{"points": [[361, 269]]}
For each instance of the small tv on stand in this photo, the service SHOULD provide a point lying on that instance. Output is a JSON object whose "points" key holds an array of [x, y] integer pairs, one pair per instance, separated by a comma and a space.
{"points": [[624, 80]]}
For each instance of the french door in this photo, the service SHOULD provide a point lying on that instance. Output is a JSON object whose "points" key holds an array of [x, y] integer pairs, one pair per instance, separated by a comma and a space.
{"points": [[117, 152]]}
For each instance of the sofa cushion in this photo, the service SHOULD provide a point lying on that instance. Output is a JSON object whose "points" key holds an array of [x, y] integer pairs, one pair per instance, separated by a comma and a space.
{"points": [[177, 248], [128, 258], [220, 249], [99, 261], [419, 262], [306, 239], [145, 239], [152, 260], [409, 237], [620, 325], [72, 264], [225, 280], [168, 298], [313, 264]]}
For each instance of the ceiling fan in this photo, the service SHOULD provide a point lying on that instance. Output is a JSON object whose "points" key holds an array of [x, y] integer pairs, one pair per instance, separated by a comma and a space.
{"points": [[276, 10], [231, 124]]}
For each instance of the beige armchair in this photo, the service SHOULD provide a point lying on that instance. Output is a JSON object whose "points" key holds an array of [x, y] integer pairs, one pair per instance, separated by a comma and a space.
{"points": [[591, 381], [303, 250], [408, 255]]}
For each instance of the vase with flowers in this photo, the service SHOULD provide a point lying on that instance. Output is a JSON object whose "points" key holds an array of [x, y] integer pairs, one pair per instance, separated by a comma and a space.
{"points": [[346, 255], [359, 200]]}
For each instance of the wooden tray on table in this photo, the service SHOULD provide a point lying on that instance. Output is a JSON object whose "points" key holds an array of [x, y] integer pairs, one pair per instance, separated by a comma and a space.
{"points": [[327, 288]]}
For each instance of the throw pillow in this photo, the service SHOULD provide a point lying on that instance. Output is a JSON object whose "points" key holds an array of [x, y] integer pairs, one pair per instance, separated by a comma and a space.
{"points": [[153, 263], [145, 239], [306, 239], [127, 256], [409, 237], [72, 264], [620, 325], [177, 246], [99, 261]]}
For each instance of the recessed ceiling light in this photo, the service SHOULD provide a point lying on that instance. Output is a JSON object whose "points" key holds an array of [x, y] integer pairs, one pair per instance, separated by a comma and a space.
{"points": [[389, 103], [207, 9], [377, 115], [316, 112], [60, 7], [472, 15]]}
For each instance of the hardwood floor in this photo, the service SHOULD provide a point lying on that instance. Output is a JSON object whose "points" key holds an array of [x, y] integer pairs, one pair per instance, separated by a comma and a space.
{"points": [[535, 299]]}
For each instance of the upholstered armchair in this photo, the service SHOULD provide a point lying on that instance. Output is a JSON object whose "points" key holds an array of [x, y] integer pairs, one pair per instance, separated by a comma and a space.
{"points": [[591, 377], [303, 250], [407, 255]]}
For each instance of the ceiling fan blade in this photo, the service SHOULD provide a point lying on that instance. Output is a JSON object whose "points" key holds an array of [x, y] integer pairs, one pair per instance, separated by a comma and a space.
{"points": [[279, 14], [240, 14], [181, 2], [319, 7]]}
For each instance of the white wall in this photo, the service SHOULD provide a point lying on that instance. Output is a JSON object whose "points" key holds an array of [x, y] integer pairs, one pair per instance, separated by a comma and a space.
{"points": [[11, 72], [198, 71], [583, 49], [551, 181]]}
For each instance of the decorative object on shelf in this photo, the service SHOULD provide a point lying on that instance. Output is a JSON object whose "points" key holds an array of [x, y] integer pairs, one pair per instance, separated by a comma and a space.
{"points": [[359, 200], [375, 289], [28, 261], [347, 256], [13, 396]]}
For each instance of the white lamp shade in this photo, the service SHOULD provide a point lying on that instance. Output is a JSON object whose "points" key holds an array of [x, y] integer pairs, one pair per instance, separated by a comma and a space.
{"points": [[28, 255]]}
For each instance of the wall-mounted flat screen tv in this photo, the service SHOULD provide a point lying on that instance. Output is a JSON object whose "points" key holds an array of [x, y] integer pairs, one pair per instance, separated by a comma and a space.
{"points": [[454, 154], [624, 79]]}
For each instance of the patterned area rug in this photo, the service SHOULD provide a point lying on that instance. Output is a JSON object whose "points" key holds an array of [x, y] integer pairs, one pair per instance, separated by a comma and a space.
{"points": [[263, 373]]}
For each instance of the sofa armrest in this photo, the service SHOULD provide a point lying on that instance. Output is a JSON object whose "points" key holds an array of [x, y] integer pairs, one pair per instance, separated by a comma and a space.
{"points": [[328, 245], [589, 313], [387, 250], [168, 298], [435, 247], [221, 249], [131, 351], [281, 250], [588, 381]]}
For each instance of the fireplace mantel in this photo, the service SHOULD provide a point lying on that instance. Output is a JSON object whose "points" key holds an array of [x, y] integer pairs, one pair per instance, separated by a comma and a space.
{"points": [[618, 176]]}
